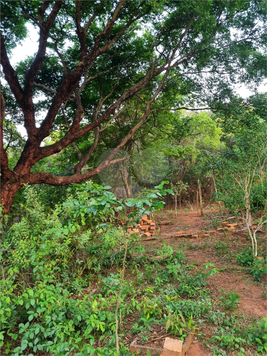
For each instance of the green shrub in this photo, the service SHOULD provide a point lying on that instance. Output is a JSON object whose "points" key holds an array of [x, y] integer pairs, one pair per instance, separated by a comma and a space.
{"points": [[258, 196], [230, 301], [48, 256], [258, 335], [258, 269], [245, 257]]}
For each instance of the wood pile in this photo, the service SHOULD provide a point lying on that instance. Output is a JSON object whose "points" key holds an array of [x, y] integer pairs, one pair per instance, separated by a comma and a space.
{"points": [[227, 226], [146, 227]]}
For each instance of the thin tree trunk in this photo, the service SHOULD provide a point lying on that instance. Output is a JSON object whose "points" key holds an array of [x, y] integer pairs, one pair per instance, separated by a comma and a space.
{"points": [[200, 198], [175, 203], [125, 180]]}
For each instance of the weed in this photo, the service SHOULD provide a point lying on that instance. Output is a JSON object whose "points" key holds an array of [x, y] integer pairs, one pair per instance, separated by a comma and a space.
{"points": [[217, 317], [192, 246], [196, 308], [149, 274], [258, 269], [230, 301], [168, 290], [144, 336], [166, 251], [161, 280], [221, 248], [228, 340], [139, 276], [177, 325], [218, 352], [215, 221], [258, 335], [245, 257], [204, 246]]}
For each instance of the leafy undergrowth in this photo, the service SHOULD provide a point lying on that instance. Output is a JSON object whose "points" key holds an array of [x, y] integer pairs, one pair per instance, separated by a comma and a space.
{"points": [[62, 291]]}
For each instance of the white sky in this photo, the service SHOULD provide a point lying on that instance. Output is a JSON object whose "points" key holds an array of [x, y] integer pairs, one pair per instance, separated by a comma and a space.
{"points": [[29, 47]]}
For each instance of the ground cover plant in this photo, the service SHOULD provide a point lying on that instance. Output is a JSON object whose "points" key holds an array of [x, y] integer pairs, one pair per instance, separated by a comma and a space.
{"points": [[74, 283]]}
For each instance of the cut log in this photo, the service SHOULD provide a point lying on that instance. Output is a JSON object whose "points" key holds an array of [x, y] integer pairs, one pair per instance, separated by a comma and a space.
{"points": [[166, 222]]}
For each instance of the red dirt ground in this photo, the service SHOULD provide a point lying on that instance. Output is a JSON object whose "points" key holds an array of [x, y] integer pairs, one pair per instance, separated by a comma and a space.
{"points": [[231, 277]]}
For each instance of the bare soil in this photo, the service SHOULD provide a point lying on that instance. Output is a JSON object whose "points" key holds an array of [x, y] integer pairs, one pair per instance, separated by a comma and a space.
{"points": [[231, 277]]}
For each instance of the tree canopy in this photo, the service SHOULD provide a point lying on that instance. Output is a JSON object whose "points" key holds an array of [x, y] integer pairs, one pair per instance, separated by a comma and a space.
{"points": [[113, 65]]}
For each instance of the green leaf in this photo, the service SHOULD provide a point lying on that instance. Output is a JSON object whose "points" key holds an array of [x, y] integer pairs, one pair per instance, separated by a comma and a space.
{"points": [[24, 344]]}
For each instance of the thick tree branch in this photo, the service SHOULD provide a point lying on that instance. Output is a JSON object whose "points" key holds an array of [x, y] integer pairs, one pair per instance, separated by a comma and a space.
{"points": [[48, 178], [72, 136], [69, 84], [71, 81], [10, 74], [3, 154], [39, 58], [79, 30]]}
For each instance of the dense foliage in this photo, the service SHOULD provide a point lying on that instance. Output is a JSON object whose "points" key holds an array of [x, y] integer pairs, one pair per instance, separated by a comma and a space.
{"points": [[104, 69], [130, 93], [62, 281]]}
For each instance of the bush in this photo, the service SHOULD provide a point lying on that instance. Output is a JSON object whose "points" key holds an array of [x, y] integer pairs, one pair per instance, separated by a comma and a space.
{"points": [[245, 257], [257, 335], [44, 260], [258, 269]]}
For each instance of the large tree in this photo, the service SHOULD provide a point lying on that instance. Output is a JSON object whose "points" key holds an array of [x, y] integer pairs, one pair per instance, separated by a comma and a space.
{"points": [[95, 58]]}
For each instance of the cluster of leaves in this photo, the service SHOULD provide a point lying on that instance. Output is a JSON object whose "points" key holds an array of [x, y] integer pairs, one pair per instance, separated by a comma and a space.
{"points": [[257, 268], [58, 295], [48, 257], [238, 338], [243, 161]]}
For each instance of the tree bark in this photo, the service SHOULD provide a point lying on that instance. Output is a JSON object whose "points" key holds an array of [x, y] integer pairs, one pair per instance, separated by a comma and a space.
{"points": [[125, 180], [8, 192], [200, 198]]}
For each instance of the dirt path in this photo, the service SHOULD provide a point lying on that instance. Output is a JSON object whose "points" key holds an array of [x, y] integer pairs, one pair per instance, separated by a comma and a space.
{"points": [[234, 280], [231, 277]]}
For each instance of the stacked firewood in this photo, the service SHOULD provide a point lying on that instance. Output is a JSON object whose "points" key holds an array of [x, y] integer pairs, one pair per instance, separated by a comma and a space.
{"points": [[227, 226], [146, 227]]}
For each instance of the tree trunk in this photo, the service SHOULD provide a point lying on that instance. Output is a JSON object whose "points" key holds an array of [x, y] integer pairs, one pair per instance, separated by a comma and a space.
{"points": [[8, 192], [125, 180], [200, 198], [175, 204]]}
